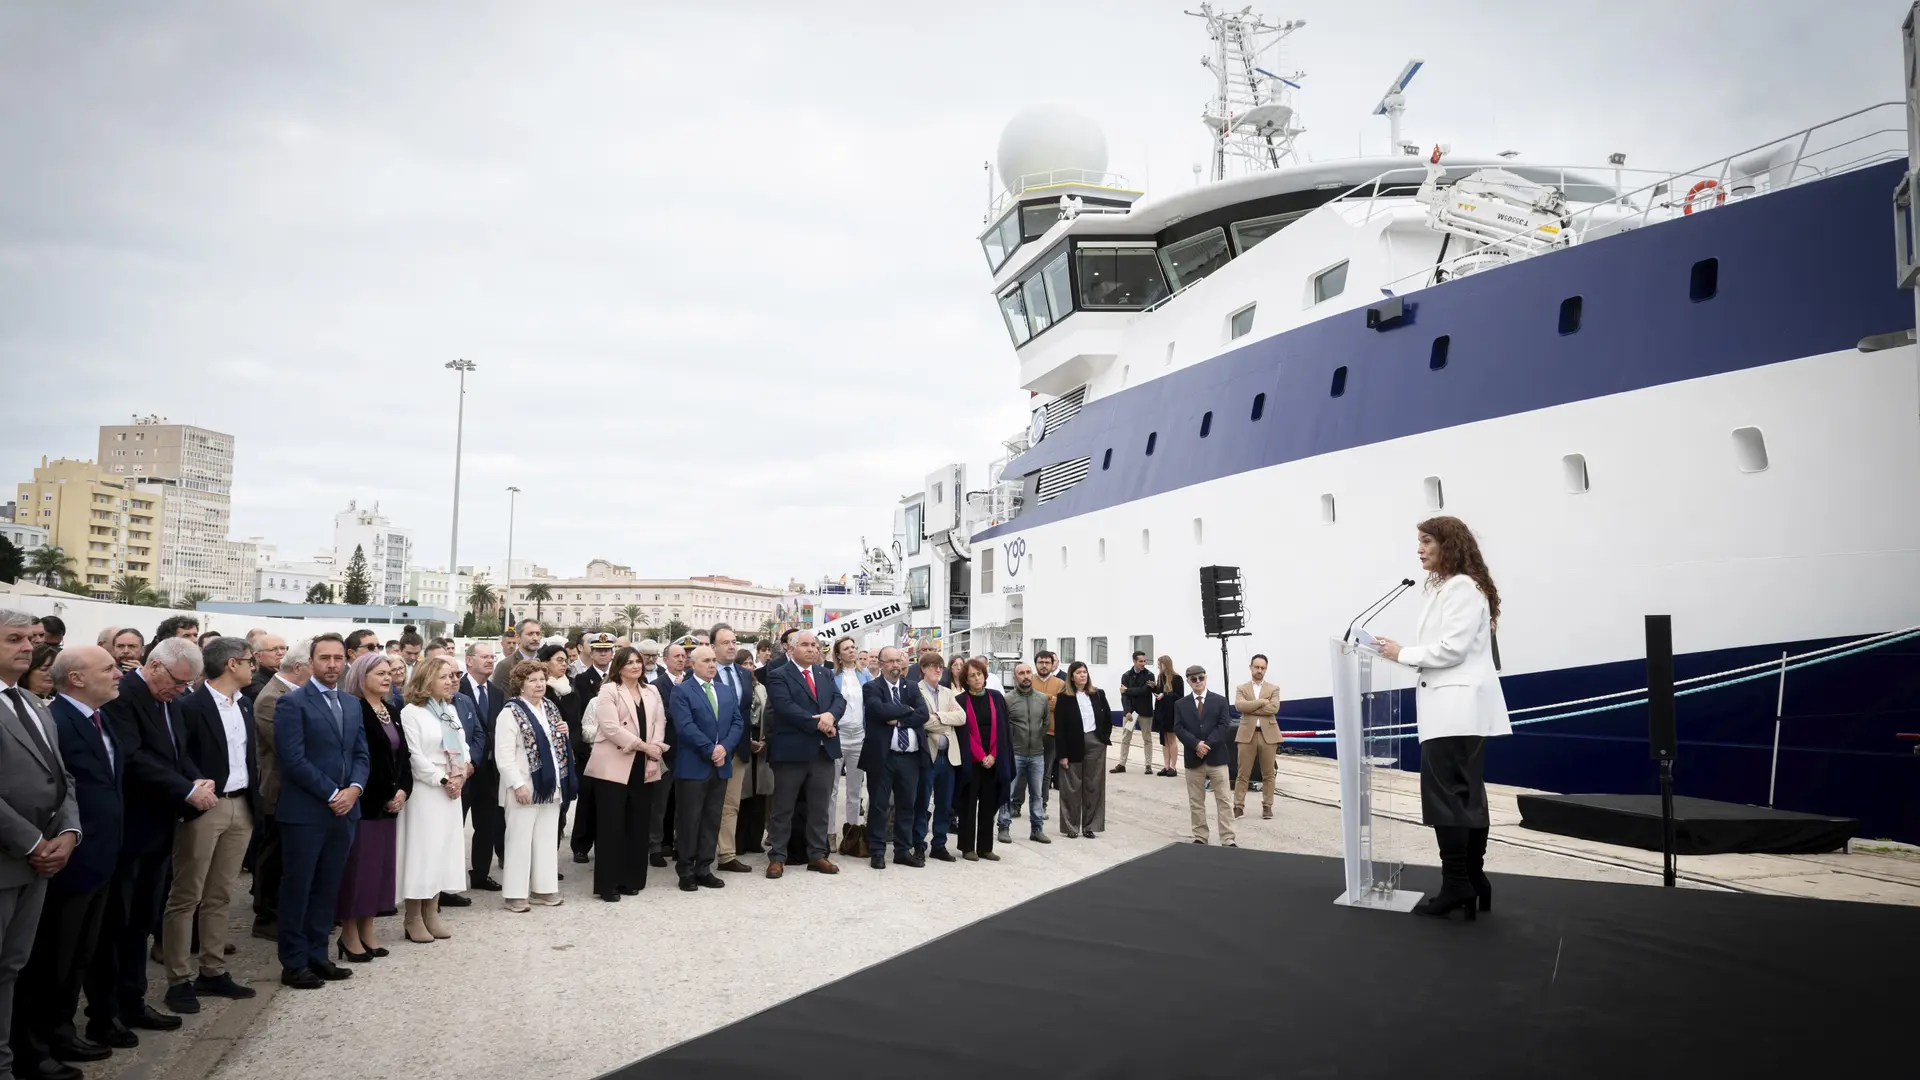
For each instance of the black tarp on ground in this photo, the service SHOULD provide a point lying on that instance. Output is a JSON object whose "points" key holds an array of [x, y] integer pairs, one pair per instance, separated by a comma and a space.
{"points": [[1199, 961], [1700, 826]]}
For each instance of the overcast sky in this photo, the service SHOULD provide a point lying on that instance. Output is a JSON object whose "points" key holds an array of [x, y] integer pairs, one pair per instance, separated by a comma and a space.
{"points": [[718, 270]]}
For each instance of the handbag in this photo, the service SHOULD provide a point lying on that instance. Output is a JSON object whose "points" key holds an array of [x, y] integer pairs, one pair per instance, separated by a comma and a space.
{"points": [[853, 841]]}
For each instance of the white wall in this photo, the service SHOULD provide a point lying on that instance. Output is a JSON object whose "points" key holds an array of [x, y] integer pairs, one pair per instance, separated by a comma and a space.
{"points": [[86, 618]]}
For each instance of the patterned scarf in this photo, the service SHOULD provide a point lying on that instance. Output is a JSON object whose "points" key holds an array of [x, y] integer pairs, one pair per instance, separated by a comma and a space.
{"points": [[545, 751], [973, 728]]}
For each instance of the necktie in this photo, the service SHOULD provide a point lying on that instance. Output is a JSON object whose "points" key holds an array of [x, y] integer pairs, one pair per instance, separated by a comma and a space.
{"points": [[30, 721], [482, 688], [104, 743], [713, 701], [166, 721], [811, 689], [333, 704], [899, 733]]}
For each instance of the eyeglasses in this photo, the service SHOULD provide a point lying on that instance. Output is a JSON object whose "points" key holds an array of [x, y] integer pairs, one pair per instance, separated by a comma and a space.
{"points": [[1198, 679]]}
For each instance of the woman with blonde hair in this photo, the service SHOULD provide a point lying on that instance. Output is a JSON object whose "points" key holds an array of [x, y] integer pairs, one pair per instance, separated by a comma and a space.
{"points": [[629, 724], [369, 885], [847, 671], [1169, 688], [536, 777], [1459, 705], [431, 835]]}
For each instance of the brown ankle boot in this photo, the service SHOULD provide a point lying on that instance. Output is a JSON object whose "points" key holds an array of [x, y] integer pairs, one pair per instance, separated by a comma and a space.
{"points": [[430, 918], [417, 931]]}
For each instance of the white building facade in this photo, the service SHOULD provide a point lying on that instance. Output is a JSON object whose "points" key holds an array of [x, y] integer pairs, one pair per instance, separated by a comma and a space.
{"points": [[599, 597], [387, 549]]}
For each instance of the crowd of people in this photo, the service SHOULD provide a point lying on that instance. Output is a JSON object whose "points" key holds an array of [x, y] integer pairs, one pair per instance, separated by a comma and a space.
{"points": [[344, 773]]}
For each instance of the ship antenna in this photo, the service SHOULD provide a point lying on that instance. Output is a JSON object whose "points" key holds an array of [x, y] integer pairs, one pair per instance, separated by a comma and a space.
{"points": [[1251, 118]]}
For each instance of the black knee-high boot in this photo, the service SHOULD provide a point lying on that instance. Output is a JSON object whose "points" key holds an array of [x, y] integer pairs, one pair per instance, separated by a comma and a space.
{"points": [[1477, 868], [1456, 884]]}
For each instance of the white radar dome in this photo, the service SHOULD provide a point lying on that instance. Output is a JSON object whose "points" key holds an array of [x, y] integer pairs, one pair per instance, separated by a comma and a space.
{"points": [[1043, 138]]}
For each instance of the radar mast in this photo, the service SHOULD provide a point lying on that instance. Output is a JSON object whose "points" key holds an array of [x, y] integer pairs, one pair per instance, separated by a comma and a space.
{"points": [[1251, 116]]}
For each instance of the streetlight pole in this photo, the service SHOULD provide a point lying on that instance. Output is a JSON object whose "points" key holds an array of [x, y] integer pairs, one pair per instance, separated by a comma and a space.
{"points": [[507, 608], [459, 435]]}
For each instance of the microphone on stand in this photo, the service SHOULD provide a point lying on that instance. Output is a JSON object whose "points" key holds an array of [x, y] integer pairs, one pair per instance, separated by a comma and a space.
{"points": [[1378, 606]]}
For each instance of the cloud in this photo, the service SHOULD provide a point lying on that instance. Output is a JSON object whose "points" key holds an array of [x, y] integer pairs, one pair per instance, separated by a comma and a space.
{"points": [[718, 268]]}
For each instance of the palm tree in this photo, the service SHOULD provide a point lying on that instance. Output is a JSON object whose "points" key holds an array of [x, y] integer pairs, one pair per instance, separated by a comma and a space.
{"points": [[161, 599], [49, 564], [539, 593], [132, 591], [191, 601], [633, 615], [482, 598]]}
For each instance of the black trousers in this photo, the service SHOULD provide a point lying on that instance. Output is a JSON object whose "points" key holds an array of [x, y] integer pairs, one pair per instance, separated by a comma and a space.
{"points": [[699, 804], [116, 981], [624, 813], [897, 787], [979, 807], [1453, 788], [489, 818], [586, 815], [266, 871], [49, 989], [790, 780]]}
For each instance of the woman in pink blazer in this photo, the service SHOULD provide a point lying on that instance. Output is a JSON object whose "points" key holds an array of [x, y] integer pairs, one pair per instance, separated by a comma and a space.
{"points": [[629, 725]]}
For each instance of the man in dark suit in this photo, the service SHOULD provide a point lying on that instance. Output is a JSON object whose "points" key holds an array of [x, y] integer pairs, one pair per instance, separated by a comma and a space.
{"points": [[481, 795], [891, 757], [293, 674], [84, 678], [660, 829], [160, 786], [208, 847], [707, 716], [804, 707], [1201, 723], [323, 771], [268, 651], [739, 680], [598, 648]]}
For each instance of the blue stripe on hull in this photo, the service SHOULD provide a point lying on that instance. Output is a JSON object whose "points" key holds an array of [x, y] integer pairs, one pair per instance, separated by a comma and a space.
{"points": [[1838, 751], [1802, 272]]}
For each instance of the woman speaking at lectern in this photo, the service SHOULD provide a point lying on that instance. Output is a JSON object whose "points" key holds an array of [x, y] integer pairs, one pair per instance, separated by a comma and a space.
{"points": [[1459, 705]]}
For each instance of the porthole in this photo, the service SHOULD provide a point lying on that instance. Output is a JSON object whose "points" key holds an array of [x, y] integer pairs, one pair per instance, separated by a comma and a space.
{"points": [[1339, 381], [1259, 405], [1704, 282], [1326, 509], [1206, 424], [1570, 315], [1750, 449], [1573, 469], [1437, 359], [1152, 437]]}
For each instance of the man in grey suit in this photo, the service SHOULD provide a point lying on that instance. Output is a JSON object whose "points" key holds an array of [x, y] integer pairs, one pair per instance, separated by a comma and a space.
{"points": [[39, 819]]}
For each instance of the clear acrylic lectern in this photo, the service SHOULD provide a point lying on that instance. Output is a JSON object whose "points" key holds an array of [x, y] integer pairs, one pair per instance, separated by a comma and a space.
{"points": [[1366, 722]]}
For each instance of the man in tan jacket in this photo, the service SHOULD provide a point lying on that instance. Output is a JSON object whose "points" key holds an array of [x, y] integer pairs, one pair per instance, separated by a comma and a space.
{"points": [[1259, 736], [1049, 685]]}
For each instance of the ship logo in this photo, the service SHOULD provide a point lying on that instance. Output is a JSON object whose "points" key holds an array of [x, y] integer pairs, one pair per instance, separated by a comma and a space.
{"points": [[1016, 551]]}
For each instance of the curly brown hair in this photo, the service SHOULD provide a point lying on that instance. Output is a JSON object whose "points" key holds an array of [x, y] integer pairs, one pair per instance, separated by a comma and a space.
{"points": [[522, 671], [1460, 554]]}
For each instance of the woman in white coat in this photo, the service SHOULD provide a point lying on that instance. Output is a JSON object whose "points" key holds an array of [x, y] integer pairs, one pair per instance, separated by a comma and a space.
{"points": [[1459, 705], [536, 778], [432, 855]]}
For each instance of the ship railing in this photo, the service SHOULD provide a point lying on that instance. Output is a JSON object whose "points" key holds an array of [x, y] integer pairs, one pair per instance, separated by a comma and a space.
{"points": [[1856, 140], [1026, 185]]}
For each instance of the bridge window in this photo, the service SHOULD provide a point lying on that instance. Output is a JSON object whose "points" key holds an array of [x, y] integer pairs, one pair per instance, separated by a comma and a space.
{"points": [[1002, 241], [1330, 282], [1253, 230], [1119, 278], [1059, 286], [1034, 293], [1189, 260], [1015, 311]]}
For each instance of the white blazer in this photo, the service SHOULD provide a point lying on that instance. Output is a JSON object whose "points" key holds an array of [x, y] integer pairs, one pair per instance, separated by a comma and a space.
{"points": [[1459, 691]]}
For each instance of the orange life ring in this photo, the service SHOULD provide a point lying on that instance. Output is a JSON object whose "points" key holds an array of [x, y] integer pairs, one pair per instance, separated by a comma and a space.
{"points": [[1718, 196]]}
